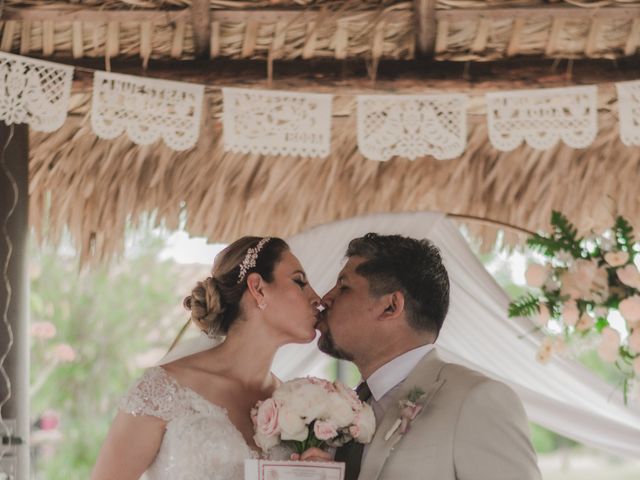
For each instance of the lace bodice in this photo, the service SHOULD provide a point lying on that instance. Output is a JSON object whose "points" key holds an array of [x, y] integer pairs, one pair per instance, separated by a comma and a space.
{"points": [[200, 442]]}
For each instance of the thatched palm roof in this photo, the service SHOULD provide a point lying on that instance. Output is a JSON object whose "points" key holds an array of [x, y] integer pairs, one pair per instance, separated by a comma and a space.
{"points": [[289, 29], [95, 186]]}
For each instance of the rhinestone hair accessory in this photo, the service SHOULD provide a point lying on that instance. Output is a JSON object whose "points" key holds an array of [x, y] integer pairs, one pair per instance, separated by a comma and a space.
{"points": [[250, 258]]}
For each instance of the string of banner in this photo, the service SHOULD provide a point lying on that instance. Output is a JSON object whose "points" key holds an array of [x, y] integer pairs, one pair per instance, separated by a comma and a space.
{"points": [[269, 122]]}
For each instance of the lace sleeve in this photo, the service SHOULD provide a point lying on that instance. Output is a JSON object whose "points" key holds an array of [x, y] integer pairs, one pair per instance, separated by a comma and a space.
{"points": [[152, 394]]}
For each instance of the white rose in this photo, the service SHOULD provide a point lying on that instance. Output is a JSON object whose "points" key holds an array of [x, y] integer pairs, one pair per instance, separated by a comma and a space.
{"points": [[292, 426], [364, 425], [285, 390], [266, 442], [307, 399], [570, 313], [349, 395], [636, 366], [536, 275], [339, 411]]}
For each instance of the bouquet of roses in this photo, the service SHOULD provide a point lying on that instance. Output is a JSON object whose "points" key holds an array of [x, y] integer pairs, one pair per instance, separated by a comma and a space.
{"points": [[311, 412]]}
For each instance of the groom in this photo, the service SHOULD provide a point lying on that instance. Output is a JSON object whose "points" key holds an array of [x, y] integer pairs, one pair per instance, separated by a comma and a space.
{"points": [[384, 314]]}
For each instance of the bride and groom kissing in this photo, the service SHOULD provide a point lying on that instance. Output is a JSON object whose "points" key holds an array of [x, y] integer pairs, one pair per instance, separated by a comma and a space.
{"points": [[190, 418]]}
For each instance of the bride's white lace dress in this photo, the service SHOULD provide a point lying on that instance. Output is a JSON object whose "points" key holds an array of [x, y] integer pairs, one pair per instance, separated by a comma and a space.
{"points": [[200, 442]]}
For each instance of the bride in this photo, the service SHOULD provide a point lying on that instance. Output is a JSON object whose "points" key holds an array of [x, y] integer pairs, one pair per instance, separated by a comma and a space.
{"points": [[190, 418]]}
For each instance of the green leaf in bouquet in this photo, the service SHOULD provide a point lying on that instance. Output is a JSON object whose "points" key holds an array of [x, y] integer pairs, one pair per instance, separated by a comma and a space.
{"points": [[525, 306], [545, 245], [624, 233], [626, 355], [601, 322]]}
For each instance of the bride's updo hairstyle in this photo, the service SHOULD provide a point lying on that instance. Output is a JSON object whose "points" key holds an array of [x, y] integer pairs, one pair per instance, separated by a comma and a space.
{"points": [[215, 302]]}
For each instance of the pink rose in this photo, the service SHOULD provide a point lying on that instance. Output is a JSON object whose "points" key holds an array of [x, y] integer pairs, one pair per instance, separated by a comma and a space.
{"points": [[326, 384], [536, 275], [583, 279], [609, 345], [609, 355], [545, 350], [407, 414], [616, 259], [267, 418], [585, 323], [636, 366], [349, 395], [64, 353], [570, 313], [542, 318], [364, 425], [324, 430], [630, 309], [559, 345], [629, 275], [254, 415], [634, 340], [49, 420], [43, 330]]}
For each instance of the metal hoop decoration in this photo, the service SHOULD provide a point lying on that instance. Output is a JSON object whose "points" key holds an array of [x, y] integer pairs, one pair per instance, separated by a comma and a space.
{"points": [[250, 258]]}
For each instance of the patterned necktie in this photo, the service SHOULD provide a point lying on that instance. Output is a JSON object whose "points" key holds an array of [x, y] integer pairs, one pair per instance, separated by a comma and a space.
{"points": [[351, 453]]}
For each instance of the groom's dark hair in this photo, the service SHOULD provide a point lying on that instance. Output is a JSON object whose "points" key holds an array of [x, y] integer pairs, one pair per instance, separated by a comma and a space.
{"points": [[411, 266]]}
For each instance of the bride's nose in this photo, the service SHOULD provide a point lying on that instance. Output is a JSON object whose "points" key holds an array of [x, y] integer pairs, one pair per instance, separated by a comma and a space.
{"points": [[315, 300]]}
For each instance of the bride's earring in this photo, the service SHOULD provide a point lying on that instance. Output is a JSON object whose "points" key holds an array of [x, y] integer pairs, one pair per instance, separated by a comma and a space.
{"points": [[262, 306]]}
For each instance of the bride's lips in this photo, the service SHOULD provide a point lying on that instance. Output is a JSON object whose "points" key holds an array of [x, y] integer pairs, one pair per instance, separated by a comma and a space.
{"points": [[320, 315]]}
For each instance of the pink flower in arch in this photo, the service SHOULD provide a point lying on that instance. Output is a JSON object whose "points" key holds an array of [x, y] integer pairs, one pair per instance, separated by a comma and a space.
{"points": [[43, 330], [63, 352]]}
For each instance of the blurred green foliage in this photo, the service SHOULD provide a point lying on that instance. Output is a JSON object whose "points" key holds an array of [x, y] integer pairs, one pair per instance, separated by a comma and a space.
{"points": [[108, 316]]}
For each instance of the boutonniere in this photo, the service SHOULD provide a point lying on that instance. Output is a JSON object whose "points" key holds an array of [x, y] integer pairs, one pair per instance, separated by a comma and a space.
{"points": [[410, 407]]}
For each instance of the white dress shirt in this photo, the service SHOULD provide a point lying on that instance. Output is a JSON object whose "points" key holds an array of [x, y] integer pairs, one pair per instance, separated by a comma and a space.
{"points": [[388, 378]]}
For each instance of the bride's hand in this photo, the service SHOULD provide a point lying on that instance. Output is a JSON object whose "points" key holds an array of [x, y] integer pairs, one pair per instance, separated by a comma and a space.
{"points": [[313, 455]]}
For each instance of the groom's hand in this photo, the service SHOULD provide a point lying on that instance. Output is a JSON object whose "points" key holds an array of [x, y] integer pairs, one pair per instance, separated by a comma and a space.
{"points": [[313, 455]]}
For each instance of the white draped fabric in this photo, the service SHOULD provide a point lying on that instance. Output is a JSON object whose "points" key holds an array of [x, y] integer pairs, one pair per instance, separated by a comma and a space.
{"points": [[562, 395]]}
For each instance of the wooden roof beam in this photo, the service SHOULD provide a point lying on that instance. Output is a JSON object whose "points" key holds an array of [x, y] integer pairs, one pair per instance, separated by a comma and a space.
{"points": [[201, 21], [168, 16], [425, 19], [426, 26], [537, 12]]}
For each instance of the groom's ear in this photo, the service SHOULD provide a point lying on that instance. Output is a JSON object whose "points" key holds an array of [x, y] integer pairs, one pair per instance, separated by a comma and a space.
{"points": [[393, 304]]}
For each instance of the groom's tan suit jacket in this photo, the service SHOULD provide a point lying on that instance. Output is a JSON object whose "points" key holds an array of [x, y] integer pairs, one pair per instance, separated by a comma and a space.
{"points": [[471, 428]]}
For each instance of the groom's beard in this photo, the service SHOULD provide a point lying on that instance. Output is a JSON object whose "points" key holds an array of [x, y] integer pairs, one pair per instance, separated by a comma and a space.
{"points": [[327, 344]]}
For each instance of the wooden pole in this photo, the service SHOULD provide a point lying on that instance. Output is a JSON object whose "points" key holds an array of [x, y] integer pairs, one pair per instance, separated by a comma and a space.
{"points": [[14, 288], [425, 15], [201, 21]]}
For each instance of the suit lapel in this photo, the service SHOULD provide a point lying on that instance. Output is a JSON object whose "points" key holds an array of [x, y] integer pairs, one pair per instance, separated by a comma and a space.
{"points": [[425, 376]]}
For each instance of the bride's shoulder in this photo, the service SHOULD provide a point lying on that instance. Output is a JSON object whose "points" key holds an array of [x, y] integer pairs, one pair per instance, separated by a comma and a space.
{"points": [[153, 393]]}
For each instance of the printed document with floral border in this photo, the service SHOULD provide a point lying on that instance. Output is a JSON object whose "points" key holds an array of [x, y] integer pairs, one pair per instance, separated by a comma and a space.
{"points": [[289, 470]]}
